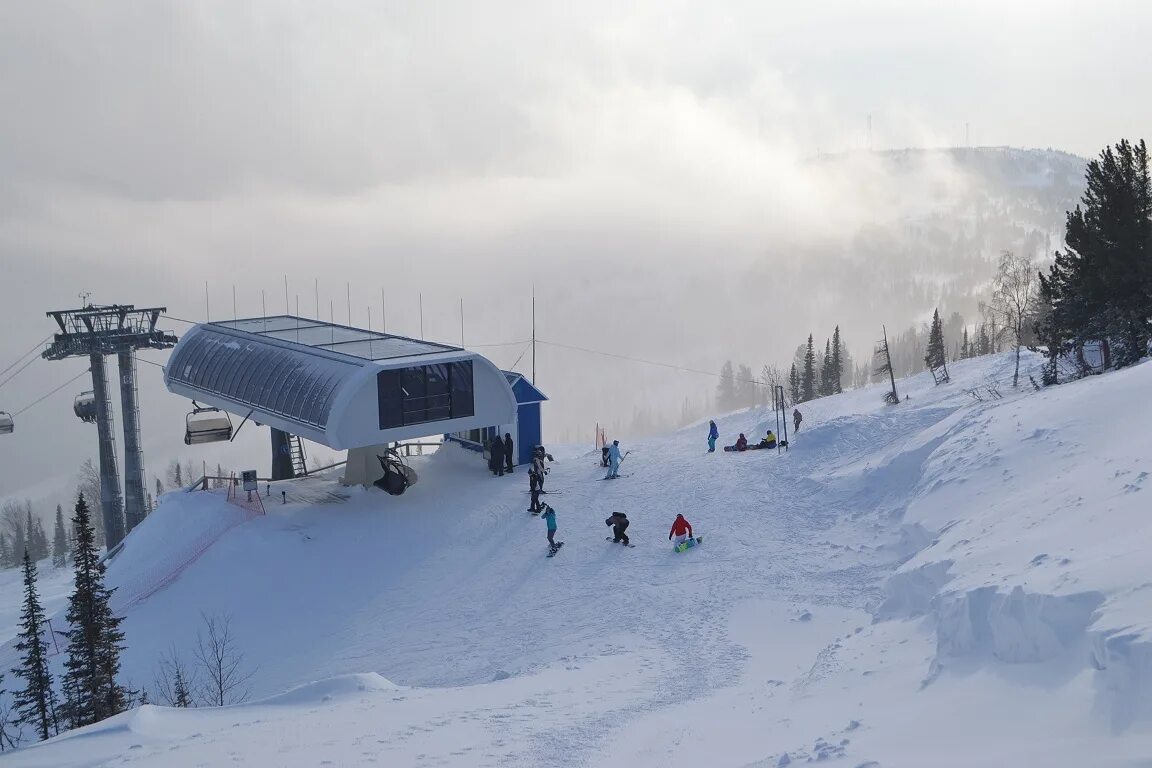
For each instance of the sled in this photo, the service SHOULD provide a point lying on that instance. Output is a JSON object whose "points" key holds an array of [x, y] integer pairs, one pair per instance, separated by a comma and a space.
{"points": [[688, 544]]}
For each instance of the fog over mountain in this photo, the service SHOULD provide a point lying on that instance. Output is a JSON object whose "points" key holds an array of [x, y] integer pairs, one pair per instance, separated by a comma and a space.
{"points": [[676, 183]]}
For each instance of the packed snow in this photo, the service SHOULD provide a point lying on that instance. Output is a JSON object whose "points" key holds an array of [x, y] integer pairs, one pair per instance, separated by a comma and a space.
{"points": [[959, 580]]}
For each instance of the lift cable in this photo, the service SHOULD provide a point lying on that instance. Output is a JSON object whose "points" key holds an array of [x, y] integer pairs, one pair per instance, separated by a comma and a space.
{"points": [[39, 344], [42, 398]]}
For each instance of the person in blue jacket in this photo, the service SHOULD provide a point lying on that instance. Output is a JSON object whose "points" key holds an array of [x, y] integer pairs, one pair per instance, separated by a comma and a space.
{"points": [[549, 516], [613, 460], [713, 434]]}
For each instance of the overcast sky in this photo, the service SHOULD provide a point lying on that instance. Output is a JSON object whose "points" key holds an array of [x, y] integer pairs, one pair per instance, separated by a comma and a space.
{"points": [[470, 150]]}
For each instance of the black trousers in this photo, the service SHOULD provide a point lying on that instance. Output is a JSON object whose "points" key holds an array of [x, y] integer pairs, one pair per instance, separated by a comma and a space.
{"points": [[508, 461], [535, 506], [618, 532]]}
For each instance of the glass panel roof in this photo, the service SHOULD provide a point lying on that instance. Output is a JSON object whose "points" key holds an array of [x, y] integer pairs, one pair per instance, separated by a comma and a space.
{"points": [[355, 342]]}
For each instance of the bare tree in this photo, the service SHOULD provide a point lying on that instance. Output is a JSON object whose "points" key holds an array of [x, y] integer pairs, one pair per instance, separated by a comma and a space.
{"points": [[773, 377], [175, 682], [9, 733], [1014, 297], [221, 662]]}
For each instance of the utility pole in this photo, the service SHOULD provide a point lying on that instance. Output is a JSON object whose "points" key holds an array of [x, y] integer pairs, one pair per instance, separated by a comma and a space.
{"points": [[533, 334]]}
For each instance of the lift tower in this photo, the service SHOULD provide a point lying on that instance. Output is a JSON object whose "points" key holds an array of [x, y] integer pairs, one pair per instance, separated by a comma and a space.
{"points": [[95, 332]]}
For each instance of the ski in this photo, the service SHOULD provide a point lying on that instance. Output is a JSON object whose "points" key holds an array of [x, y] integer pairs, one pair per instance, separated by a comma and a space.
{"points": [[553, 550], [615, 478], [544, 493]]}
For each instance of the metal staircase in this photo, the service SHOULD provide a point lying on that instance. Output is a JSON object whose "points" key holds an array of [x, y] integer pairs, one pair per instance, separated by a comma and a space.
{"points": [[299, 458]]}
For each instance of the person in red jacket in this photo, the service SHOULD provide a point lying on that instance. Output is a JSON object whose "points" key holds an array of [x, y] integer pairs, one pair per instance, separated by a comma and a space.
{"points": [[681, 530]]}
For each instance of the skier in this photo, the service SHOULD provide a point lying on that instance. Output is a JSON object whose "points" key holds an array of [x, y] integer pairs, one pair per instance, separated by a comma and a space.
{"points": [[619, 523], [604, 455], [713, 434], [538, 456], [768, 441], [796, 418], [549, 516], [681, 530], [741, 443], [613, 460], [508, 452]]}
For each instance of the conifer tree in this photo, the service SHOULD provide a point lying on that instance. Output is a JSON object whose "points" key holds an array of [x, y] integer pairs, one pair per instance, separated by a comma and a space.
{"points": [[745, 387], [36, 703], [808, 378], [726, 389], [794, 384], [1100, 287], [95, 639], [5, 551], [837, 364], [823, 375], [964, 352], [936, 355], [59, 540]]}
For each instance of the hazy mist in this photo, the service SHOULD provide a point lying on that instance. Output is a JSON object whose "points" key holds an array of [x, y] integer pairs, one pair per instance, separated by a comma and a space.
{"points": [[679, 182]]}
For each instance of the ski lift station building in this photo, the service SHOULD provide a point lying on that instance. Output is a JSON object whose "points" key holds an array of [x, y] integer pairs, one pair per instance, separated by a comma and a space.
{"points": [[342, 387]]}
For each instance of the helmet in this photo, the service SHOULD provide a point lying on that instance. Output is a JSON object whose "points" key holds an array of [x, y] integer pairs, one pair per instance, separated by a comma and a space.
{"points": [[615, 442]]}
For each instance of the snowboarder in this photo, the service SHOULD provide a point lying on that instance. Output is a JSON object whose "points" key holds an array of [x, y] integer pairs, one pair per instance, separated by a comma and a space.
{"points": [[614, 460], [741, 443], [508, 452], [713, 434], [549, 516], [604, 455], [534, 487], [796, 419], [681, 530], [619, 523], [768, 441]]}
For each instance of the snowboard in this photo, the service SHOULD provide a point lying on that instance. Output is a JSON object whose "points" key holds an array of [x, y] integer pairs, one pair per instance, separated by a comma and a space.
{"points": [[552, 552], [688, 544], [751, 447], [630, 546]]}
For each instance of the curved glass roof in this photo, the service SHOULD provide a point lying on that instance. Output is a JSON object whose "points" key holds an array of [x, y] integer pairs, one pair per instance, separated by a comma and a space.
{"points": [[272, 377], [355, 342], [288, 366]]}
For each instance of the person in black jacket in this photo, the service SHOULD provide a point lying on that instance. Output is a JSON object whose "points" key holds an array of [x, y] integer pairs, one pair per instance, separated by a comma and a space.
{"points": [[508, 452], [496, 456], [619, 523]]}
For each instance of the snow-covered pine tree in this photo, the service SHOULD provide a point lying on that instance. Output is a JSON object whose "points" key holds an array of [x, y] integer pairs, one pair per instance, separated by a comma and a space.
{"points": [[808, 377], [837, 364], [95, 639], [36, 703], [794, 384], [964, 353], [935, 355], [59, 540]]}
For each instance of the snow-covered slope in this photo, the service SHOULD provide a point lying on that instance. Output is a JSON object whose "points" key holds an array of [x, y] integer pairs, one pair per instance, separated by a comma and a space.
{"points": [[947, 582]]}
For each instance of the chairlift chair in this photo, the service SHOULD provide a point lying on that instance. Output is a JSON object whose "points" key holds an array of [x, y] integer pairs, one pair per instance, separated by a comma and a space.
{"points": [[207, 425], [6, 423], [85, 407]]}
